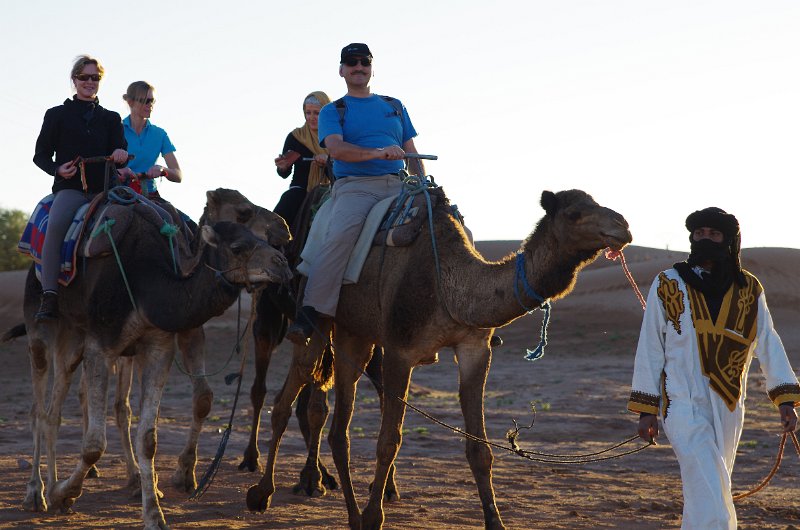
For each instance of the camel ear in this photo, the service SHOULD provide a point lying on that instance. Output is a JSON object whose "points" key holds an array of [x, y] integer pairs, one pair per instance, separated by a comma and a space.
{"points": [[211, 197], [210, 236], [549, 203]]}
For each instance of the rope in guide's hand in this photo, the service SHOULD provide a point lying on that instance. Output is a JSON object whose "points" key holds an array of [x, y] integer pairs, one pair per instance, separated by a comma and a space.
{"points": [[775, 466]]}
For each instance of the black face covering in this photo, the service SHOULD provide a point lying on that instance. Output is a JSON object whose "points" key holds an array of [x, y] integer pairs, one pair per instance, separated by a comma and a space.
{"points": [[707, 250]]}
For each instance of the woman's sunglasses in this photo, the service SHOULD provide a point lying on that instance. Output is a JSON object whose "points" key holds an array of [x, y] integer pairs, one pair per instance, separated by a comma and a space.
{"points": [[145, 101], [86, 77], [352, 61]]}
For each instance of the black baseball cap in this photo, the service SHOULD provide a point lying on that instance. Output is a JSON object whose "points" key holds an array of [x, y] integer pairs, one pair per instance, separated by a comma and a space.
{"points": [[355, 49]]}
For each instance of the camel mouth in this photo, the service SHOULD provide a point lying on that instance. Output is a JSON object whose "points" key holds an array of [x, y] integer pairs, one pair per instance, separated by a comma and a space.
{"points": [[264, 277], [616, 241]]}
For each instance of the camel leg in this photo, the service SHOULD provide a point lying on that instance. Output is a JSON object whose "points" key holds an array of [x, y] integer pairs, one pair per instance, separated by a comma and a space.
{"points": [[473, 366], [122, 414], [351, 358], [192, 346], [67, 355], [155, 360], [259, 495], [63, 493], [34, 496], [268, 330], [312, 412], [390, 437], [375, 372]]}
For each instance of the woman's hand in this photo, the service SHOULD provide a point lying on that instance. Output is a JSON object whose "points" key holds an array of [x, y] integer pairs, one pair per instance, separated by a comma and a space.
{"points": [[67, 170], [155, 172], [285, 161], [119, 156], [321, 159]]}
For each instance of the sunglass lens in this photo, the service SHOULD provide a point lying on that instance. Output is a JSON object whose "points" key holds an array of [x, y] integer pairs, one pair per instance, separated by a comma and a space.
{"points": [[352, 61]]}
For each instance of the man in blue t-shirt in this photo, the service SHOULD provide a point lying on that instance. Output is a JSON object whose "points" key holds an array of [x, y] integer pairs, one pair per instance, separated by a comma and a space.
{"points": [[367, 145]]}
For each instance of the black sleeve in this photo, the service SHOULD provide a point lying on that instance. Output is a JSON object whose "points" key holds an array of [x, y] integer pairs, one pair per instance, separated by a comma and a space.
{"points": [[287, 146], [117, 135], [46, 143]]}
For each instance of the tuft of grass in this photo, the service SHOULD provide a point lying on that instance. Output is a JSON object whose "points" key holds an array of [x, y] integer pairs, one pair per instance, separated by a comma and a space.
{"points": [[749, 444], [421, 430]]}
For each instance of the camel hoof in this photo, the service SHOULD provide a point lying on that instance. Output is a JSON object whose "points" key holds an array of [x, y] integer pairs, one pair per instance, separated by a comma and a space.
{"points": [[34, 502], [184, 480], [61, 498], [390, 494], [93, 472], [250, 461], [329, 481], [257, 499], [309, 491]]}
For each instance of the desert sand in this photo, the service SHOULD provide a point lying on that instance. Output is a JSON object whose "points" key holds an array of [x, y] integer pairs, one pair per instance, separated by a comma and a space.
{"points": [[580, 388]]}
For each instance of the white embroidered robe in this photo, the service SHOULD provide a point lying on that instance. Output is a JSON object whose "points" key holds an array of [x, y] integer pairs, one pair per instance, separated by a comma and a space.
{"points": [[693, 372]]}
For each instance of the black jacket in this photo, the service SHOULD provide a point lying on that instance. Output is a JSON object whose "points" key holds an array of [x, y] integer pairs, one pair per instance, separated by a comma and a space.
{"points": [[78, 128]]}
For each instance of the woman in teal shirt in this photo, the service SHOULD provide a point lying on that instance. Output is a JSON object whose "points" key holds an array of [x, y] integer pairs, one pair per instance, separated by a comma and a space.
{"points": [[147, 141]]}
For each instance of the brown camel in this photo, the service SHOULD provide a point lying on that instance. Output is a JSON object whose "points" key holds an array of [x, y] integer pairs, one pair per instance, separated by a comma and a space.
{"points": [[221, 205], [100, 321], [413, 310]]}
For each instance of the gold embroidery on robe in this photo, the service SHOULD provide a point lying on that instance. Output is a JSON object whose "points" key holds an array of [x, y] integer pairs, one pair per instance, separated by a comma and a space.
{"points": [[672, 299], [724, 345]]}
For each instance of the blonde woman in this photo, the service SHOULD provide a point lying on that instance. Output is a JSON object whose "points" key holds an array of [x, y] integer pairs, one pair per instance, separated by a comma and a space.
{"points": [[147, 141]]}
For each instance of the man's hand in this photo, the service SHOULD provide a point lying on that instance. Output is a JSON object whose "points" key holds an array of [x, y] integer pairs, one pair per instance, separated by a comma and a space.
{"points": [[321, 159], [788, 417], [648, 428], [391, 152]]}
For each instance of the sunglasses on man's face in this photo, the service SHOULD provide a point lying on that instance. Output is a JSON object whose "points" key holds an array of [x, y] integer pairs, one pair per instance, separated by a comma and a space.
{"points": [[86, 77], [352, 61], [145, 101]]}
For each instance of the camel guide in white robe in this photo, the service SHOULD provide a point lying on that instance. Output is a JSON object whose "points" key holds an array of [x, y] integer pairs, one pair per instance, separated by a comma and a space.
{"points": [[706, 319]]}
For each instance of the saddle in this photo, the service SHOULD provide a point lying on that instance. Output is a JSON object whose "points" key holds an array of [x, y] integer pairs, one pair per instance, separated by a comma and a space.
{"points": [[96, 224], [395, 221]]}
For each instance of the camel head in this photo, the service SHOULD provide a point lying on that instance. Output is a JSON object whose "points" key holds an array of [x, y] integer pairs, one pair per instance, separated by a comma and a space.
{"points": [[242, 257], [230, 205], [582, 226]]}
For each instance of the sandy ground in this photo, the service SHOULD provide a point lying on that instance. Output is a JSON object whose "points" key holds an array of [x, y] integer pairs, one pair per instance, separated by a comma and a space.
{"points": [[580, 388]]}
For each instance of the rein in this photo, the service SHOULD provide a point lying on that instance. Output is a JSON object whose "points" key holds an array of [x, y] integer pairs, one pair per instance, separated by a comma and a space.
{"points": [[208, 477], [521, 278]]}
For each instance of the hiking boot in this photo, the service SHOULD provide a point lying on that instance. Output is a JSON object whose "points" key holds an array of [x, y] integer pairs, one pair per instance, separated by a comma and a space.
{"points": [[496, 341], [48, 309], [303, 326]]}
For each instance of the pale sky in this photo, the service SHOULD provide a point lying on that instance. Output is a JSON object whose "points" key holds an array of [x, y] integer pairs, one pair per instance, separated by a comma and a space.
{"points": [[655, 108]]}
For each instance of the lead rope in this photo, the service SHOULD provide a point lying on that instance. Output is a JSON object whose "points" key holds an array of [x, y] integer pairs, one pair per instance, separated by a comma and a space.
{"points": [[208, 477], [775, 467], [106, 227], [613, 255]]}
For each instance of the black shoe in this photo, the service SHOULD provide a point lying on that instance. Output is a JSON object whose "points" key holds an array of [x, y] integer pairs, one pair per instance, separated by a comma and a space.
{"points": [[303, 326], [48, 309], [496, 341]]}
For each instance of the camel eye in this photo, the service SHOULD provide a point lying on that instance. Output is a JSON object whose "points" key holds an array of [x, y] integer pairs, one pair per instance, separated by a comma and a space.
{"points": [[574, 216], [244, 214], [239, 247]]}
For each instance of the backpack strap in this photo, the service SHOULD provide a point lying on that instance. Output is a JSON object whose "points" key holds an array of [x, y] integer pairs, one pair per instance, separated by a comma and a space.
{"points": [[341, 107]]}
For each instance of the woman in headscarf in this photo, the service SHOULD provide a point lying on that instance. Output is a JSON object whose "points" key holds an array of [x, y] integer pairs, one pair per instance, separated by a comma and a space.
{"points": [[303, 158]]}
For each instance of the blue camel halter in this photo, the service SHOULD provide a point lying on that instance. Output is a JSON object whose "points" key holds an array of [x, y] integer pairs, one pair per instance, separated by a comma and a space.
{"points": [[520, 278]]}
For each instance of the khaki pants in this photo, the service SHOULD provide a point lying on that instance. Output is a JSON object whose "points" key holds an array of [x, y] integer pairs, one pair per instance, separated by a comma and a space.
{"points": [[352, 199]]}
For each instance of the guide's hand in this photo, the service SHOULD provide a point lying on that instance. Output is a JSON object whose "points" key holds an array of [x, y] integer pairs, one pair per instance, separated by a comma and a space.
{"points": [[788, 418], [648, 428], [391, 152]]}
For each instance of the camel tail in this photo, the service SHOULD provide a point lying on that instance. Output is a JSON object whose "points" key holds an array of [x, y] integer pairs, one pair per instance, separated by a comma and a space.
{"points": [[323, 370], [17, 331]]}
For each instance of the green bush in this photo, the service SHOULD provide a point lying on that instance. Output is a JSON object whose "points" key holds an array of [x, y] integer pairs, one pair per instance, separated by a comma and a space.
{"points": [[12, 223]]}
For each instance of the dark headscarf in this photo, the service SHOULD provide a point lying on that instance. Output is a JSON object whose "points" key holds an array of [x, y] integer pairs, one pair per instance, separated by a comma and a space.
{"points": [[726, 255]]}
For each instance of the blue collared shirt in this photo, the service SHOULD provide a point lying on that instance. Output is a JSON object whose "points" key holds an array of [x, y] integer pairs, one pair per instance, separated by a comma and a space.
{"points": [[146, 147]]}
